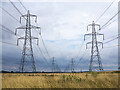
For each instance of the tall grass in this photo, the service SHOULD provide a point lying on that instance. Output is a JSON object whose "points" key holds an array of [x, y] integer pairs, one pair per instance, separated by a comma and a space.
{"points": [[60, 80]]}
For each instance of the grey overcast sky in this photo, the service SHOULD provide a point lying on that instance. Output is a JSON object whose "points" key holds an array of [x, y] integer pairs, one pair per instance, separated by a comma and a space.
{"points": [[63, 25]]}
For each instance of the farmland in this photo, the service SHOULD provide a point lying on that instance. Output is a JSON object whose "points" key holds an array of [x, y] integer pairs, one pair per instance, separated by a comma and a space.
{"points": [[60, 80]]}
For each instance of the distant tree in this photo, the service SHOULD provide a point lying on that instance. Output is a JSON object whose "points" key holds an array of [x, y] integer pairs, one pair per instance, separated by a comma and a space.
{"points": [[42, 71], [119, 67], [12, 72]]}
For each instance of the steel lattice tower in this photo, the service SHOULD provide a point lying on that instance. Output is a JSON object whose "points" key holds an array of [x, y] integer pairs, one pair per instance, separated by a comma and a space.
{"points": [[27, 60], [95, 60], [53, 65], [72, 65]]}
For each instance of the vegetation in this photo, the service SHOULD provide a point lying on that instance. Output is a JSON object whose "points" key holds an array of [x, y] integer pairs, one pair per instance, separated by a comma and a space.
{"points": [[60, 80], [119, 67]]}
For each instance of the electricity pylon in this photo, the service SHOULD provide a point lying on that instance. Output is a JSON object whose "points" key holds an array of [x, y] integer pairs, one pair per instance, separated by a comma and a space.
{"points": [[53, 65], [27, 53], [72, 65], [95, 60]]}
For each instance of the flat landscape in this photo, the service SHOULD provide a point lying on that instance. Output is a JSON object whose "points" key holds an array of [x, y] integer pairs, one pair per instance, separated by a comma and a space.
{"points": [[61, 80]]}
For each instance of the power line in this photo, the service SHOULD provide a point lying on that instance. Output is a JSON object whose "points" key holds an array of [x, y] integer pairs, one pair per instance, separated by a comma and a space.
{"points": [[112, 46], [110, 19], [81, 48], [22, 5], [37, 52], [11, 32], [57, 68], [76, 64], [44, 57], [10, 14], [109, 47], [112, 40], [8, 43], [80, 51], [8, 30], [16, 8], [82, 57], [67, 69], [111, 23], [45, 46], [42, 54], [112, 36], [105, 11], [43, 42]]}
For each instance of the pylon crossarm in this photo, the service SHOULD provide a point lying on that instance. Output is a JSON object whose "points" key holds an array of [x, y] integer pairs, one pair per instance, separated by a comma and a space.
{"points": [[98, 26], [87, 44], [100, 43], [88, 26], [22, 27], [87, 35], [34, 16], [19, 39], [100, 34], [35, 38], [23, 17], [35, 27]]}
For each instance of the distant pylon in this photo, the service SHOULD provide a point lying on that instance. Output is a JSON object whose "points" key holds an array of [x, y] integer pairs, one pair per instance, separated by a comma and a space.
{"points": [[72, 65], [95, 60], [27, 60], [53, 65]]}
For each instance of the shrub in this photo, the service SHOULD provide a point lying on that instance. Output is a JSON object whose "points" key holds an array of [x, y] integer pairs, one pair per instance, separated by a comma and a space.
{"points": [[63, 78], [12, 72], [86, 75]]}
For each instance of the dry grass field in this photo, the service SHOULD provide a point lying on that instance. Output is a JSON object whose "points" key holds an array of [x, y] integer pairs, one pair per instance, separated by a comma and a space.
{"points": [[60, 80]]}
